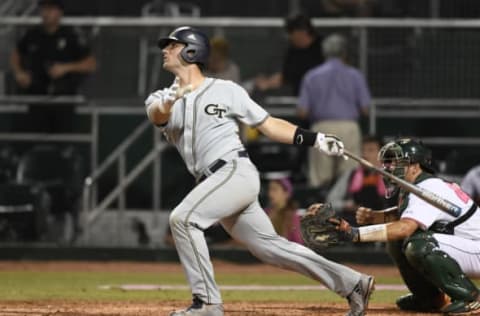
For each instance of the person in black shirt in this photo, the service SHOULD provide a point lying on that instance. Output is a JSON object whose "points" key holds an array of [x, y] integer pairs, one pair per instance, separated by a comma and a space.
{"points": [[51, 59], [304, 52]]}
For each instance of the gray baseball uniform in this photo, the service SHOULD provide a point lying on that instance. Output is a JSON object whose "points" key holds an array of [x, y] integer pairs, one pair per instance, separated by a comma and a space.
{"points": [[203, 127]]}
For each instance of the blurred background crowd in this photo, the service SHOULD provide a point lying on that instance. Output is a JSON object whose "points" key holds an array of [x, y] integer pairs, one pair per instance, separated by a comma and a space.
{"points": [[79, 163]]}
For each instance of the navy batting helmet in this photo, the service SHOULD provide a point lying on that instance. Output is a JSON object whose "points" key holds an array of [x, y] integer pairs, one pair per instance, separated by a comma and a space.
{"points": [[197, 45]]}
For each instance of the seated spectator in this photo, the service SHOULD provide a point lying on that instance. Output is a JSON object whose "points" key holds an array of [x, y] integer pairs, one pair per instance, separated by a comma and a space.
{"points": [[360, 186], [219, 63], [471, 184], [304, 52], [50, 59], [282, 210]]}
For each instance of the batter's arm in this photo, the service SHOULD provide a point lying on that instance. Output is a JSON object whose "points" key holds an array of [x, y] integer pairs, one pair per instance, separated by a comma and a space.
{"points": [[278, 130], [284, 132]]}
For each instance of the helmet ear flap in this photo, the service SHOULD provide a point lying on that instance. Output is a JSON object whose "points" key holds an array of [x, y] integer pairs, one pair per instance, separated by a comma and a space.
{"points": [[189, 54]]}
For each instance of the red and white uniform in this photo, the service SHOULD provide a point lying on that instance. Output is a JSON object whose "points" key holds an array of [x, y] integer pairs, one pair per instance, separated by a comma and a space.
{"points": [[464, 245]]}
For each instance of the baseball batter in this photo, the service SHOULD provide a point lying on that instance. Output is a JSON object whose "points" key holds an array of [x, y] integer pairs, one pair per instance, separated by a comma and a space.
{"points": [[436, 252], [199, 116]]}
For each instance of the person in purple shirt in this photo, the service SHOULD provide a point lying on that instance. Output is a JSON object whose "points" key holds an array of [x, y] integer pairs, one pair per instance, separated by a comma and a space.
{"points": [[333, 96]]}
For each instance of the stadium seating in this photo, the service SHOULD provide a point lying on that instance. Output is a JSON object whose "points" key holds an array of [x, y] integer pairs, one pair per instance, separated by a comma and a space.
{"points": [[8, 164], [59, 171], [24, 212]]}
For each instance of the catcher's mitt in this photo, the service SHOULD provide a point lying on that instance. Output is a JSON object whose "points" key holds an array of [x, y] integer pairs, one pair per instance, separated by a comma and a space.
{"points": [[318, 232]]}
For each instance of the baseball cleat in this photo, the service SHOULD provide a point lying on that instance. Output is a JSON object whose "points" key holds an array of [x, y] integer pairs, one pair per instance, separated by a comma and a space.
{"points": [[358, 299], [199, 308], [412, 303], [462, 308]]}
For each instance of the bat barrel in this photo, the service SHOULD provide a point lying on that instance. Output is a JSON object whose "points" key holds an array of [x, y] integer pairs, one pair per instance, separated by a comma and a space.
{"points": [[427, 196]]}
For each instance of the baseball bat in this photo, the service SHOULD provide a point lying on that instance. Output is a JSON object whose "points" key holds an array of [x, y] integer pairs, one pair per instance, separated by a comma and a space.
{"points": [[427, 196]]}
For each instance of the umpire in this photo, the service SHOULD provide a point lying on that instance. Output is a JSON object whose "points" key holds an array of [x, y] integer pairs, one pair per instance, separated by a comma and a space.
{"points": [[51, 59]]}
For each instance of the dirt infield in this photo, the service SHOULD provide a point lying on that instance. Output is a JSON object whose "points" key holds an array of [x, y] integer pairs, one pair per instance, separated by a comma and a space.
{"points": [[68, 308], [146, 308]]}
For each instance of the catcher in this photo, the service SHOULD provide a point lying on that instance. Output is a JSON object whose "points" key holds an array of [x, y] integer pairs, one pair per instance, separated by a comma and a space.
{"points": [[434, 251]]}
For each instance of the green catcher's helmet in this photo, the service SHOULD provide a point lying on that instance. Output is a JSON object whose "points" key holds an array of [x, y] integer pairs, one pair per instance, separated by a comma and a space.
{"points": [[400, 153]]}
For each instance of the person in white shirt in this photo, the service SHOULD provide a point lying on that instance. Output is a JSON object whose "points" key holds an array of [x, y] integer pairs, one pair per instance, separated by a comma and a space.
{"points": [[435, 252]]}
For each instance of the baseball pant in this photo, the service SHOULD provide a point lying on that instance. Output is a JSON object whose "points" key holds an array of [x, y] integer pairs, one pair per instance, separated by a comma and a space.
{"points": [[465, 251], [230, 196]]}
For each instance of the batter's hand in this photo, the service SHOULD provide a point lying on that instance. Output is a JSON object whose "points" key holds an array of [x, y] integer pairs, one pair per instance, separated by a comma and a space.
{"points": [[156, 99], [165, 98], [170, 93], [364, 216], [329, 144], [175, 92]]}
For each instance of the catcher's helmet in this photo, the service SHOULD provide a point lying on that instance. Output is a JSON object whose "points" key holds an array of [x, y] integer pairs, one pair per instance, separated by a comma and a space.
{"points": [[197, 44], [407, 151], [398, 154]]}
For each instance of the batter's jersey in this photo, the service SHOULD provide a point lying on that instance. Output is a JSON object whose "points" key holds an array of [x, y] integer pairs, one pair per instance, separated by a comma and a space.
{"points": [[426, 214], [203, 124]]}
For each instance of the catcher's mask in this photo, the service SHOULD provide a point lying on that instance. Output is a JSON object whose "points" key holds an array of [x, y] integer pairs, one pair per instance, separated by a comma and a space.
{"points": [[397, 155]]}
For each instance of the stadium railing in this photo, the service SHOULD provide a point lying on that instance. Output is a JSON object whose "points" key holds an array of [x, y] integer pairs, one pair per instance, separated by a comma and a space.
{"points": [[426, 107]]}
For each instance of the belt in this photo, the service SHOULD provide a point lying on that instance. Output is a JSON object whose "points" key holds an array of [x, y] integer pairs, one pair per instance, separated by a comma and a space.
{"points": [[219, 163]]}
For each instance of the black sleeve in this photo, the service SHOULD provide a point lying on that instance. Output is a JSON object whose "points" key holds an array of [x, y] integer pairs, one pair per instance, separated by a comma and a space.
{"points": [[78, 44], [287, 66], [22, 44]]}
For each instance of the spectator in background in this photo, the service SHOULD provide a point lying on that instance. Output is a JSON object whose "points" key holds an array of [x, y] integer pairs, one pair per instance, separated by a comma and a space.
{"points": [[332, 97], [50, 59], [304, 52], [471, 184], [219, 63], [360, 186], [282, 210]]}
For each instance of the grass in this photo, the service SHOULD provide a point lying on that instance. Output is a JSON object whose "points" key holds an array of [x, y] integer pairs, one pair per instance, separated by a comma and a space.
{"points": [[28, 285]]}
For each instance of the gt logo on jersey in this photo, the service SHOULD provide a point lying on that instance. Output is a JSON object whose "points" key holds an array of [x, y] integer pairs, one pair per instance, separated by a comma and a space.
{"points": [[215, 109]]}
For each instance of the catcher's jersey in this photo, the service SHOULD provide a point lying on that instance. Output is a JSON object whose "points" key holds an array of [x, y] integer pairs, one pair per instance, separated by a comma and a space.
{"points": [[426, 214], [203, 124]]}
